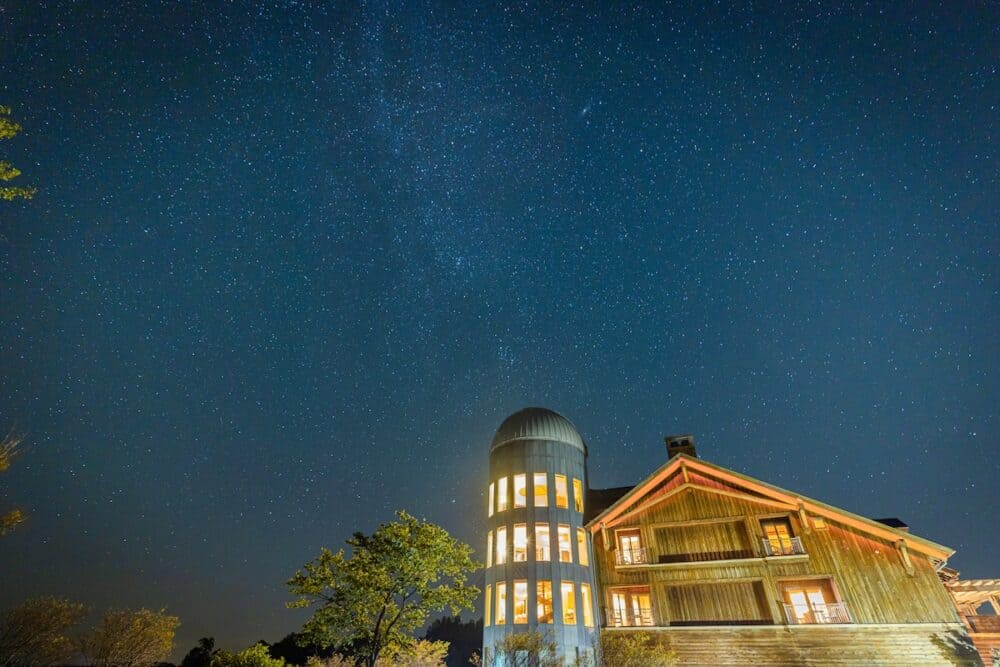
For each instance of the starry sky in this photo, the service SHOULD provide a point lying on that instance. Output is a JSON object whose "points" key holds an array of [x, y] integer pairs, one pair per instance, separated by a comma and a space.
{"points": [[291, 263]]}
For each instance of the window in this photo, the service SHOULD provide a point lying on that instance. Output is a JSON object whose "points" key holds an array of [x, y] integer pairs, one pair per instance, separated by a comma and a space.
{"points": [[520, 543], [630, 551], [577, 495], [543, 544], [812, 601], [501, 546], [568, 603], [630, 607], [819, 523], [489, 603], [581, 547], [543, 595], [520, 601], [541, 490], [489, 549], [588, 609], [520, 491], [502, 494], [490, 510], [501, 603], [565, 544], [778, 538], [562, 495]]}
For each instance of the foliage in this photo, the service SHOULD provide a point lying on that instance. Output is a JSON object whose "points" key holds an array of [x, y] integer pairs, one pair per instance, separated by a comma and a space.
{"points": [[421, 653], [128, 638], [9, 449], [464, 638], [331, 661], [255, 656], [8, 130], [200, 655], [634, 649], [527, 649], [296, 650], [995, 653], [33, 633], [393, 580]]}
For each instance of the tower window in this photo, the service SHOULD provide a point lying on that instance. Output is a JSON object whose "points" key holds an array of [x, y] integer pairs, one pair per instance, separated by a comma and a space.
{"points": [[520, 491], [543, 542], [588, 608], [565, 544], [520, 543], [501, 603], [489, 549], [487, 611], [489, 511], [581, 547], [502, 494], [541, 489], [501, 547], [562, 494], [578, 495], [520, 601], [568, 602], [543, 595]]}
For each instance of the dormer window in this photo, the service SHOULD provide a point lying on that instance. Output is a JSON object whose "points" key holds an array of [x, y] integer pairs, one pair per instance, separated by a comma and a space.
{"points": [[778, 538]]}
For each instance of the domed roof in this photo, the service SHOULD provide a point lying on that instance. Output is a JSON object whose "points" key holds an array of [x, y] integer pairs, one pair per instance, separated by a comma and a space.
{"points": [[537, 424]]}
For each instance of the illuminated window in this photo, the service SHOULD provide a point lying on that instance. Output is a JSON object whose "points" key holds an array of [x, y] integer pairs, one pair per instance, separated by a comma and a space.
{"points": [[819, 523], [520, 601], [501, 546], [568, 603], [488, 612], [489, 549], [630, 607], [520, 543], [543, 543], [541, 490], [630, 551], [501, 494], [577, 495], [581, 546], [778, 538], [562, 495], [520, 491], [588, 610], [543, 594], [501, 603], [565, 546], [490, 510]]}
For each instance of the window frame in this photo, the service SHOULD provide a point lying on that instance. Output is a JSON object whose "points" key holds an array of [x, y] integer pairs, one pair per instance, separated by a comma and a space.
{"points": [[545, 489], [562, 502], [522, 500], [569, 541]]}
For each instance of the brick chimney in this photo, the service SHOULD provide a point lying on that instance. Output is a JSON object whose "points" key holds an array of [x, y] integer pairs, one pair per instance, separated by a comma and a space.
{"points": [[680, 444]]}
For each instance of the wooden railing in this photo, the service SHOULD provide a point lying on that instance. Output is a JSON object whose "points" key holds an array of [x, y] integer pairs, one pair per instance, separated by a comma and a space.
{"points": [[833, 612], [702, 556], [789, 547], [984, 623], [636, 556], [631, 619]]}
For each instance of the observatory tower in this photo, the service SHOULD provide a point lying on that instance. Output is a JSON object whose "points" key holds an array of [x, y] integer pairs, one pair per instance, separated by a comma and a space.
{"points": [[539, 563]]}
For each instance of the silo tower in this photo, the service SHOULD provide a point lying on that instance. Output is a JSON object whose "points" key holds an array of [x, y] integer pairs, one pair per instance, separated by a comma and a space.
{"points": [[539, 574]]}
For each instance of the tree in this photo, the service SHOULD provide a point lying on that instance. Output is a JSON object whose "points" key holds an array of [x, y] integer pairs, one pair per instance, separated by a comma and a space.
{"points": [[255, 656], [9, 449], [527, 649], [128, 638], [393, 580], [8, 130], [200, 655], [463, 639], [634, 649], [421, 653], [33, 633], [296, 650]]}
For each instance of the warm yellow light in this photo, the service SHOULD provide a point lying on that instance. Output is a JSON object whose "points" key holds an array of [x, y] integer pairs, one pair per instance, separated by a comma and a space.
{"points": [[488, 611], [568, 602], [520, 491], [562, 494], [578, 495], [541, 489], [565, 544], [543, 543], [489, 549], [490, 510], [502, 494], [543, 595], [588, 611], [581, 547], [501, 603], [520, 542], [520, 601], [501, 545]]}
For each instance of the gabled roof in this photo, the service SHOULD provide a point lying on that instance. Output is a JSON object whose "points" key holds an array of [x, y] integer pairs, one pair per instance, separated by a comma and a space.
{"points": [[684, 472]]}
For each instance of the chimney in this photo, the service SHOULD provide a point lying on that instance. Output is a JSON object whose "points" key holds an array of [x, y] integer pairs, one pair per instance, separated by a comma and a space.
{"points": [[680, 444]]}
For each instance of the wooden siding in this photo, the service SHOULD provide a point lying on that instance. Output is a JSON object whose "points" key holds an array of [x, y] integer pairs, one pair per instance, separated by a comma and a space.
{"points": [[726, 601]]}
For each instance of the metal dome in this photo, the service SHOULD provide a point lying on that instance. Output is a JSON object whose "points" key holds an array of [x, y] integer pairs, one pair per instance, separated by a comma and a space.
{"points": [[537, 424]]}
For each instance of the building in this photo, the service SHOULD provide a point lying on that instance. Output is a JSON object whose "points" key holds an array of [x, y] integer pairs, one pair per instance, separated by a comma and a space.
{"points": [[718, 567]]}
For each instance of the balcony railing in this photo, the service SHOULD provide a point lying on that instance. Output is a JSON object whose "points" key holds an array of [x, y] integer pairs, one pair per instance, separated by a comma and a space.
{"points": [[632, 619], [705, 556], [635, 556], [784, 547], [984, 623], [833, 612]]}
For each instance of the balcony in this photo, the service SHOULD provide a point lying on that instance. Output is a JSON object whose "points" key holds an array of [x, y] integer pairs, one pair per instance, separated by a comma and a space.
{"points": [[706, 556], [984, 623], [633, 556], [632, 619], [818, 614], [786, 547]]}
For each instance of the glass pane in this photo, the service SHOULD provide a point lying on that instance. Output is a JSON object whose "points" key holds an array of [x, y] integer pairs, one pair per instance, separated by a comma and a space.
{"points": [[490, 510], [565, 546], [501, 545], [520, 542], [502, 494], [489, 549], [501, 603], [488, 612], [581, 547], [588, 612], [562, 495], [543, 593], [568, 603], [520, 601], [543, 544], [520, 491], [541, 490], [577, 495]]}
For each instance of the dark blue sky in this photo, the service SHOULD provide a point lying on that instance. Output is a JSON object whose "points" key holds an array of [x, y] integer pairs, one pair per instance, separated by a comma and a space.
{"points": [[291, 264]]}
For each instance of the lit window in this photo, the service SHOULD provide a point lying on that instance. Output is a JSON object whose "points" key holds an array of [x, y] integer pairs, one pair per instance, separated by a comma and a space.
{"points": [[568, 603], [562, 495], [543, 544], [520, 601], [778, 538], [578, 495], [490, 510], [520, 542], [819, 523], [543, 593], [631, 607], [502, 494], [501, 545], [541, 490], [588, 611], [520, 491], [488, 612], [630, 551], [581, 546], [565, 546], [501, 603], [489, 549]]}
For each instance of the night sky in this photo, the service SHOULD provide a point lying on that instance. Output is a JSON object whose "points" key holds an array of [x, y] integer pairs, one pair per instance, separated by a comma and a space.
{"points": [[291, 264]]}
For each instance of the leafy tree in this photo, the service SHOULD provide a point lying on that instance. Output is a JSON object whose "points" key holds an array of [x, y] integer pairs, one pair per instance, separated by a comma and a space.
{"points": [[634, 649], [131, 638], [200, 655], [421, 653], [9, 447], [8, 172], [33, 633], [527, 649], [464, 638], [255, 656], [296, 650], [376, 598]]}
